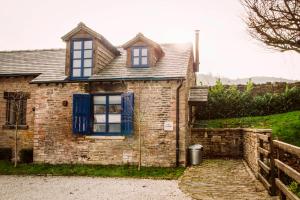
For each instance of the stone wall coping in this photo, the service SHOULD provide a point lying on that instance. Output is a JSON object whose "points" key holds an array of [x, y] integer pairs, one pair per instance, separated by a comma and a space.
{"points": [[233, 129], [257, 130], [105, 137], [216, 129]]}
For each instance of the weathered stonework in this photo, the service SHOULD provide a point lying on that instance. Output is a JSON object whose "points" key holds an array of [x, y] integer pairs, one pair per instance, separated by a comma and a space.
{"points": [[219, 142], [25, 134], [54, 141], [230, 142], [260, 89]]}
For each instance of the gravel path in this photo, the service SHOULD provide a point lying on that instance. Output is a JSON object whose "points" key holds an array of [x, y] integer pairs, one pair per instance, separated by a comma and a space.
{"points": [[65, 188]]}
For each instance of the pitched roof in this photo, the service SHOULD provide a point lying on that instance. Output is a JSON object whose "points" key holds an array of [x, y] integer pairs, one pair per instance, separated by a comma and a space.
{"points": [[50, 65], [82, 26], [198, 94], [140, 37], [34, 62]]}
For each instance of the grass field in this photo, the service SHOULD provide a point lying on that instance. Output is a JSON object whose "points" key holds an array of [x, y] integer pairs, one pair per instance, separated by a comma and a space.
{"points": [[7, 168], [285, 126]]}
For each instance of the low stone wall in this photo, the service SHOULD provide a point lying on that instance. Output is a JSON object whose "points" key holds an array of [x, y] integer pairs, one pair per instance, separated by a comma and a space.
{"points": [[250, 147], [229, 142], [220, 142]]}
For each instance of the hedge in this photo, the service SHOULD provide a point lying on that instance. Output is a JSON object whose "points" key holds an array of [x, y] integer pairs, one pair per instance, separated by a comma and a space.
{"points": [[229, 102]]}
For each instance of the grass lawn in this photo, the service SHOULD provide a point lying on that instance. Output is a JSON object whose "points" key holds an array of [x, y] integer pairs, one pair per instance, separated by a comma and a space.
{"points": [[7, 168], [285, 126]]}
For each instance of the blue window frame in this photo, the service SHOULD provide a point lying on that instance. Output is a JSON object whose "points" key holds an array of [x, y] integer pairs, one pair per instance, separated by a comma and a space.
{"points": [[81, 58], [139, 56], [103, 114], [107, 112]]}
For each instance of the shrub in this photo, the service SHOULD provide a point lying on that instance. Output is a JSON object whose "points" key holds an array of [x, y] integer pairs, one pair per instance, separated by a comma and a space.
{"points": [[229, 102], [5, 154], [26, 156], [295, 188]]}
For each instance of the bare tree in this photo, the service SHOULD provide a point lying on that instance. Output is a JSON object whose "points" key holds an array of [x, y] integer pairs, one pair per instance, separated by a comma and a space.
{"points": [[276, 23], [141, 108], [17, 115]]}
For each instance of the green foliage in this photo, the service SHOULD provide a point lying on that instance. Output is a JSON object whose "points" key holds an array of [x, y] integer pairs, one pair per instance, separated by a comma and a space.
{"points": [[229, 102], [285, 126], [295, 188], [6, 168]]}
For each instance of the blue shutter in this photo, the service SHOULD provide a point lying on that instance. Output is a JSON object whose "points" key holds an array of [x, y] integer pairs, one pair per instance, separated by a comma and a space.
{"points": [[81, 114], [127, 113]]}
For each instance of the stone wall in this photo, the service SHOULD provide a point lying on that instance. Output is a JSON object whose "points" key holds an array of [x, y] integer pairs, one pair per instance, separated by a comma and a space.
{"points": [[219, 142], [55, 143], [260, 89], [230, 142], [250, 147], [25, 134]]}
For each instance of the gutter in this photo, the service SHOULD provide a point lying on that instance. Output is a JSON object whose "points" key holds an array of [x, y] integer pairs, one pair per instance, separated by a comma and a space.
{"points": [[19, 74], [108, 80], [177, 122]]}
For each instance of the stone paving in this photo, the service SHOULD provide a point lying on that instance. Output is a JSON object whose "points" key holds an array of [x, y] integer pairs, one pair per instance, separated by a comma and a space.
{"points": [[222, 180]]}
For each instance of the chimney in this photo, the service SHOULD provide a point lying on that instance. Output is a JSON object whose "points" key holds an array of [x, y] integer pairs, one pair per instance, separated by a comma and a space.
{"points": [[196, 64]]}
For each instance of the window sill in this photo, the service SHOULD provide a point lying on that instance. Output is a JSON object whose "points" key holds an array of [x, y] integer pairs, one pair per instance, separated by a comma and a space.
{"points": [[20, 127], [106, 137]]}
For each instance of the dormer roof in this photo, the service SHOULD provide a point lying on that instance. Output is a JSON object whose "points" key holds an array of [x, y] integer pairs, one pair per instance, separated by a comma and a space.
{"points": [[81, 26], [140, 37]]}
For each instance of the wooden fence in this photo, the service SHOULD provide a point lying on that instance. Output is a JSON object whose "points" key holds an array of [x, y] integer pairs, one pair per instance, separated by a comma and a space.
{"points": [[273, 171]]}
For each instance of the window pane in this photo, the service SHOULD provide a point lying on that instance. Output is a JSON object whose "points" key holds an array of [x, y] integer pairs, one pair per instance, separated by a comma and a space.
{"points": [[76, 54], [114, 118], [136, 61], [115, 128], [87, 63], [144, 61], [115, 99], [76, 72], [88, 53], [12, 113], [88, 44], [136, 52], [87, 72], [99, 118], [99, 109], [99, 99], [99, 128], [144, 51], [115, 109], [77, 44], [76, 63]]}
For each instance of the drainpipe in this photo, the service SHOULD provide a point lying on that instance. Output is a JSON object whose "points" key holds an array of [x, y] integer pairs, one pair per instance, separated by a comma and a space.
{"points": [[177, 122]]}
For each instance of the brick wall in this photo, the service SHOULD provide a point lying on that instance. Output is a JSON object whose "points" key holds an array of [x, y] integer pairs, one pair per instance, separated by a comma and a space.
{"points": [[55, 143], [7, 136]]}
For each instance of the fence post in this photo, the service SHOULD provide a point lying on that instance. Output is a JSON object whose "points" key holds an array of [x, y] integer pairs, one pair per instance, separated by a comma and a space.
{"points": [[272, 166]]}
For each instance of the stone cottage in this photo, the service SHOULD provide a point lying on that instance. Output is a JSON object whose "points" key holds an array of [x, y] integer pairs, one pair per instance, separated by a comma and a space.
{"points": [[95, 103]]}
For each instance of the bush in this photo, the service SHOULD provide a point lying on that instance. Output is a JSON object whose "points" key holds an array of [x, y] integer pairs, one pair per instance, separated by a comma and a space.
{"points": [[229, 102], [26, 156], [295, 188], [5, 154]]}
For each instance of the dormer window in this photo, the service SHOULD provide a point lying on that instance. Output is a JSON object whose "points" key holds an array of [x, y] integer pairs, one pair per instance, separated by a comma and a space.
{"points": [[139, 56], [81, 58]]}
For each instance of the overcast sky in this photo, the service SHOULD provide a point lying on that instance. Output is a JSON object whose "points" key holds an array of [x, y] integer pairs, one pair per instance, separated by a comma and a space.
{"points": [[226, 49]]}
